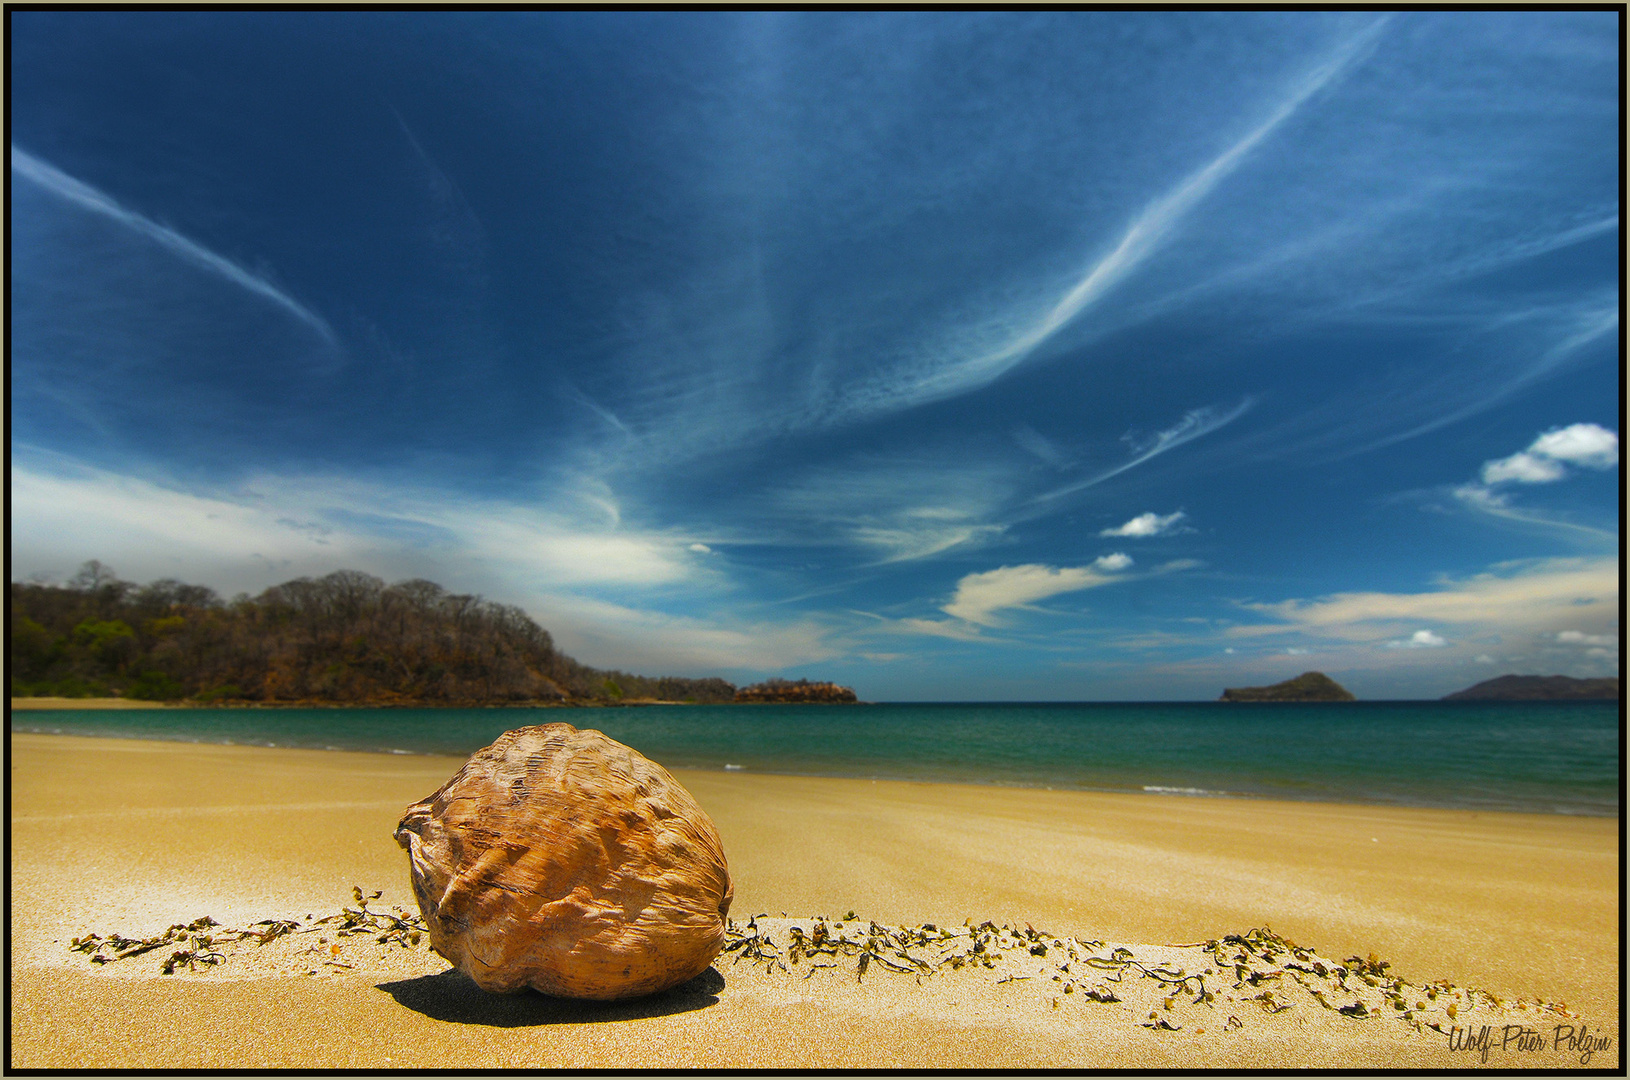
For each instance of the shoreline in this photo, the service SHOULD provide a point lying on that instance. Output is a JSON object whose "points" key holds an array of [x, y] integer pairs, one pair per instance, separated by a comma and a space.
{"points": [[1141, 791], [51, 704], [45, 703], [130, 836]]}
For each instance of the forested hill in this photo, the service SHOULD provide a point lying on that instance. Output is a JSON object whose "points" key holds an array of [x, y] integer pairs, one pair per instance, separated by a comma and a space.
{"points": [[345, 638]]}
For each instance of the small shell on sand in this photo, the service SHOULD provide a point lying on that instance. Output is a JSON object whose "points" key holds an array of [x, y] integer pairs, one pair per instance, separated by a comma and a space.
{"points": [[565, 861]]}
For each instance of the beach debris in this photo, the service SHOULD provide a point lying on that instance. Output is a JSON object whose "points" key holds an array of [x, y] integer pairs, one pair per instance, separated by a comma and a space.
{"points": [[564, 861], [1195, 987], [1168, 983]]}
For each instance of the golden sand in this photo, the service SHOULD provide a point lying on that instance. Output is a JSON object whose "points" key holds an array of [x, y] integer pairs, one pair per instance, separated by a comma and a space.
{"points": [[27, 703], [129, 836]]}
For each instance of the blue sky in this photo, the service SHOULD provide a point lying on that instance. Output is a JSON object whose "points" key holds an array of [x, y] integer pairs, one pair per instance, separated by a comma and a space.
{"points": [[955, 356]]}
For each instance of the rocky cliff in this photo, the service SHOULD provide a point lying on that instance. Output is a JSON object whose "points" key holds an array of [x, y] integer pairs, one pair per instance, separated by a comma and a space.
{"points": [[802, 692]]}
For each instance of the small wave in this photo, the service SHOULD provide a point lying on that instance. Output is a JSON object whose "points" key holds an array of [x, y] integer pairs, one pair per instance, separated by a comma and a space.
{"points": [[401, 751], [734, 768], [1157, 790]]}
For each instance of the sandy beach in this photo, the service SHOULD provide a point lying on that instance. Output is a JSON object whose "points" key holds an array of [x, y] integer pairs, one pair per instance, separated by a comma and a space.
{"points": [[56, 703], [130, 837]]}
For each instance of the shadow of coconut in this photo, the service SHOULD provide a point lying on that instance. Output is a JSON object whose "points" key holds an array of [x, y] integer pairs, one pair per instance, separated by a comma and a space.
{"points": [[452, 997]]}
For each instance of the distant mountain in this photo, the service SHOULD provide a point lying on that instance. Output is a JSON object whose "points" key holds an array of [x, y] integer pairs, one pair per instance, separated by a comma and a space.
{"points": [[1308, 686], [1539, 688]]}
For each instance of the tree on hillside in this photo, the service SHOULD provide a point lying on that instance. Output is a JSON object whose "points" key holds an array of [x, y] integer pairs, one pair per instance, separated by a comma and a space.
{"points": [[344, 637]]}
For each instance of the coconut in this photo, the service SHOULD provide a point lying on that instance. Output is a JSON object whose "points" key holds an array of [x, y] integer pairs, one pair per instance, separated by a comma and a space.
{"points": [[564, 861]]}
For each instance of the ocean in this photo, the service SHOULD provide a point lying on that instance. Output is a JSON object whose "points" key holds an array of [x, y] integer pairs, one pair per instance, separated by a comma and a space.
{"points": [[1536, 757]]}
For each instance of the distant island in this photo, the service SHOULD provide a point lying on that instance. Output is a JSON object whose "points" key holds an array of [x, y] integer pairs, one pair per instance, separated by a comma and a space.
{"points": [[1308, 686], [346, 638], [1539, 688], [802, 692]]}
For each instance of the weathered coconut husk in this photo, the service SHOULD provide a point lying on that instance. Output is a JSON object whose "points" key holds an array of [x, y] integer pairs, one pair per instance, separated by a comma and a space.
{"points": [[565, 861]]}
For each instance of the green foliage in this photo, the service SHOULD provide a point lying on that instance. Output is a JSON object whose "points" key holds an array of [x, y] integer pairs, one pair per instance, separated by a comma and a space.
{"points": [[156, 686], [345, 637], [98, 634], [226, 692], [70, 686], [169, 624], [33, 648]]}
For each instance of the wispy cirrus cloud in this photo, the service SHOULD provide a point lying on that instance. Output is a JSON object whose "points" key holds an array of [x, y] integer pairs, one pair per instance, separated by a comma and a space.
{"points": [[575, 574], [1497, 504], [300, 524], [896, 508], [98, 202], [1558, 333], [1194, 424], [649, 641], [954, 629], [950, 374]]}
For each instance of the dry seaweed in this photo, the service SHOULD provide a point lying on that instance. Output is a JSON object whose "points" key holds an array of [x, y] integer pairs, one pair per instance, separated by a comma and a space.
{"points": [[203, 936], [1175, 985]]}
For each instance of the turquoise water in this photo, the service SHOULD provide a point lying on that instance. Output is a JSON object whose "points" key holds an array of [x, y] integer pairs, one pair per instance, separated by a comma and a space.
{"points": [[1541, 757]]}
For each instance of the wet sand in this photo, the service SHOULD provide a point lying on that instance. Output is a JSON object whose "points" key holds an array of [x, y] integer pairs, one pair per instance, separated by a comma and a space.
{"points": [[131, 836]]}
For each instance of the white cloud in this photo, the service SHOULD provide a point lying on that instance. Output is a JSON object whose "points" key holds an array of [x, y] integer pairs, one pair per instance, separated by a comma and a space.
{"points": [[1581, 444], [1481, 498], [701, 548], [945, 628], [1298, 652], [1577, 637], [1149, 524], [658, 643], [272, 529], [1540, 596], [1420, 639], [979, 596], [299, 524], [1524, 468], [1483, 658]]}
